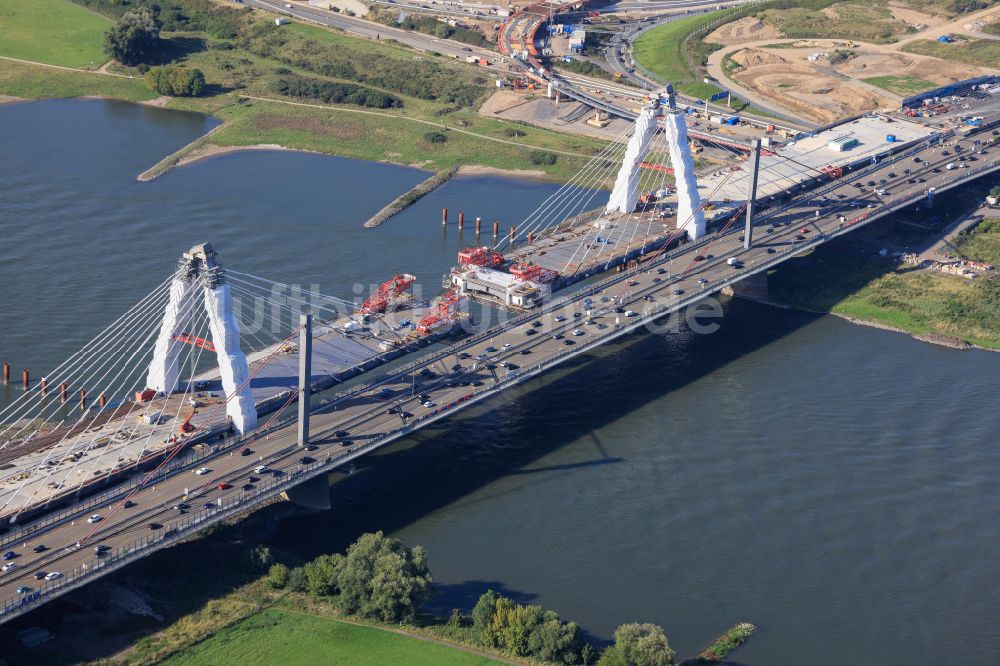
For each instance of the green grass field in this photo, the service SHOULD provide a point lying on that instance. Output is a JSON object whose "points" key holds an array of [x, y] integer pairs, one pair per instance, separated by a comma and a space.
{"points": [[661, 50], [38, 82], [292, 639], [982, 242], [901, 85], [979, 52], [56, 32]]}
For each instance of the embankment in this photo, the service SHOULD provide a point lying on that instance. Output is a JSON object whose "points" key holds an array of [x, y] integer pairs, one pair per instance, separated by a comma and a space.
{"points": [[410, 197]]}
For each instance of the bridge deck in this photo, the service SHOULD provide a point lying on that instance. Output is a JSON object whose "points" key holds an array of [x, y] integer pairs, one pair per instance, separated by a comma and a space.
{"points": [[647, 291]]}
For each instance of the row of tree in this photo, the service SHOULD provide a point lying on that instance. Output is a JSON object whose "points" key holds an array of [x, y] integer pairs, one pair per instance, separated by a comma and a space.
{"points": [[382, 579]]}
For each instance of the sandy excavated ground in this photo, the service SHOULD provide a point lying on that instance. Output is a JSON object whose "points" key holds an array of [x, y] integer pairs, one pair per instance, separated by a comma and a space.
{"points": [[827, 92], [913, 17], [744, 30]]}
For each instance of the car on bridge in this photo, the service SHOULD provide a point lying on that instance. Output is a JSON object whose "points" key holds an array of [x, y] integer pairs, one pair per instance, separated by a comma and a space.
{"points": [[96, 518], [201, 471], [7, 567], [9, 555], [53, 575], [261, 469]]}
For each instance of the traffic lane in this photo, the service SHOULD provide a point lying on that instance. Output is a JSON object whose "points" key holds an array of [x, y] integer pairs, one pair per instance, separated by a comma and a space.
{"points": [[370, 29], [125, 526]]}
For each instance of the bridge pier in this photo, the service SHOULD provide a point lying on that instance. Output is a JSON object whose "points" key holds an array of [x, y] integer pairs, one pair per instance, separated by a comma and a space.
{"points": [[753, 288], [312, 494]]}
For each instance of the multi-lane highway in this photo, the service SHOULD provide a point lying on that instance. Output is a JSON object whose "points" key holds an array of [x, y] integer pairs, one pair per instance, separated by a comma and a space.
{"points": [[450, 379]]}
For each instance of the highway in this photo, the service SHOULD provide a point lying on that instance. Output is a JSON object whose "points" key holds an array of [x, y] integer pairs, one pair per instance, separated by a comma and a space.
{"points": [[464, 373], [371, 30]]}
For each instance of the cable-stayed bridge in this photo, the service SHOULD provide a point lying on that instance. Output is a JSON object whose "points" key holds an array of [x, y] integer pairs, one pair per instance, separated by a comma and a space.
{"points": [[183, 411]]}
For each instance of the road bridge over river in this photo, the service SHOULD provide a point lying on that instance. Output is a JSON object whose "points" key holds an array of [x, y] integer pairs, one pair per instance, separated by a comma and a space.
{"points": [[142, 513]]}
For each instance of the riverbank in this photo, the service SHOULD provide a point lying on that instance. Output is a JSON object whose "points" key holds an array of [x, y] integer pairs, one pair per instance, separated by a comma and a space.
{"points": [[866, 289]]}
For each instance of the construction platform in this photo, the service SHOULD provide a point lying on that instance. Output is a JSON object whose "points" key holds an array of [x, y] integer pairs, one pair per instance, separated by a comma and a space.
{"points": [[122, 439]]}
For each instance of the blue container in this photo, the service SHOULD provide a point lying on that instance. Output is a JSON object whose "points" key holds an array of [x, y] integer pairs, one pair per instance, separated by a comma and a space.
{"points": [[732, 121], [891, 138]]}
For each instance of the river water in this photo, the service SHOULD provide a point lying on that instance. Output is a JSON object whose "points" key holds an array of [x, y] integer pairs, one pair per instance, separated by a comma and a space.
{"points": [[833, 484]]}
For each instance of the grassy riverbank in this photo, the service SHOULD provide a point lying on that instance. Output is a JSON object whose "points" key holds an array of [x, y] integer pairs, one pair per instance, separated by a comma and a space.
{"points": [[874, 289], [437, 96]]}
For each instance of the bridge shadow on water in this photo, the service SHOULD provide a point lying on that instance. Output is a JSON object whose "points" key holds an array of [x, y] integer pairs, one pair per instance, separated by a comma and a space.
{"points": [[413, 478]]}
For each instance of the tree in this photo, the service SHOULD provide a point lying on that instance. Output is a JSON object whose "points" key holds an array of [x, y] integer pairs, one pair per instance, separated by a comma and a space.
{"points": [[257, 559], [175, 81], [297, 581], [638, 645], [383, 579], [277, 576], [322, 574], [482, 614], [556, 641], [134, 38], [995, 191]]}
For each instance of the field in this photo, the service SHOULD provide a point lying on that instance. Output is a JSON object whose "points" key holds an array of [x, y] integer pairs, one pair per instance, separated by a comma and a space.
{"points": [[381, 137], [39, 82], [56, 32], [661, 50], [978, 52], [288, 638], [875, 289], [902, 85]]}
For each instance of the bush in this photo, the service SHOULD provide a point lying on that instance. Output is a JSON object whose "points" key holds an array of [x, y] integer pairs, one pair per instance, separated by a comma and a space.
{"points": [[541, 157], [297, 580], [323, 573], [277, 576], [514, 133], [525, 631], [335, 93], [435, 137], [175, 81], [638, 645]]}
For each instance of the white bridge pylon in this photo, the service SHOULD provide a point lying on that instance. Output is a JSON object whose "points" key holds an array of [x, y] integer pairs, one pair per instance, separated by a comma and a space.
{"points": [[163, 373], [625, 194]]}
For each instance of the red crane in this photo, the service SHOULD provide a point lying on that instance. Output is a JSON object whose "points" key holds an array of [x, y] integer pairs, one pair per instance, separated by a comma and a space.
{"points": [[189, 339], [481, 256], [387, 294], [444, 310]]}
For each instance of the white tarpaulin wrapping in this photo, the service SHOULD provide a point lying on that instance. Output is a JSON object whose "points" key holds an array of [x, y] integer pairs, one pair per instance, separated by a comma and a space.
{"points": [[689, 214], [625, 195], [232, 361], [163, 371]]}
